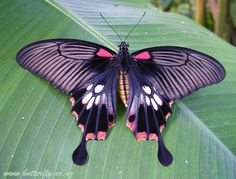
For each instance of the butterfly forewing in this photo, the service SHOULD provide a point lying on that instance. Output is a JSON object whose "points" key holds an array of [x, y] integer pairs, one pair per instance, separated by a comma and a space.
{"points": [[66, 63], [176, 71]]}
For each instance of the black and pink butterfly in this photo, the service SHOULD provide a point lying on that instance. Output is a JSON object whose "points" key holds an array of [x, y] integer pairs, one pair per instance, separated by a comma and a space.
{"points": [[149, 81]]}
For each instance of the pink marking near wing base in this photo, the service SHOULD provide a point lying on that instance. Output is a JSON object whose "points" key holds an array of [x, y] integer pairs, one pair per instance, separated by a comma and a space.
{"points": [[104, 53], [142, 56]]}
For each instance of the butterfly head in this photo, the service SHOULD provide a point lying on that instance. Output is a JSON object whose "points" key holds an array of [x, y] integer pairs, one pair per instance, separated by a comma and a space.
{"points": [[123, 46]]}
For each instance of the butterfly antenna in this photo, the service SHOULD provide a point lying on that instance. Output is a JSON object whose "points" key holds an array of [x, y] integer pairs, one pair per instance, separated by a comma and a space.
{"points": [[111, 27], [135, 26]]}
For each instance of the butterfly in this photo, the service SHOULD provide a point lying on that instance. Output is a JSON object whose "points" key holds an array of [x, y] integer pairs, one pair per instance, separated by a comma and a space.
{"points": [[149, 81]]}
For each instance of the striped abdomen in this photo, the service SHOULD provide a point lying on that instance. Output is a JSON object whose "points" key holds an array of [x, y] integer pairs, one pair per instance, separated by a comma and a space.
{"points": [[124, 87]]}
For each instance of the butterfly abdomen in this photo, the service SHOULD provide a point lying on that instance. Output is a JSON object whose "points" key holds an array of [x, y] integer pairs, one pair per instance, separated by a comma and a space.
{"points": [[124, 87]]}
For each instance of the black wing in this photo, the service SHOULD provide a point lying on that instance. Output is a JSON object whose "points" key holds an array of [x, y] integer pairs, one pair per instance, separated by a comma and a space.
{"points": [[94, 105], [88, 72], [147, 112], [66, 63], [176, 72], [157, 77]]}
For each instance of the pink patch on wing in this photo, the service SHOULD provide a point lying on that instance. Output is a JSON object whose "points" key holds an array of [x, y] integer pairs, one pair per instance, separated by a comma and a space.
{"points": [[130, 125], [104, 53], [90, 136], [142, 56], [75, 113], [167, 116], [171, 103], [72, 100], [152, 136], [141, 136], [162, 127], [101, 135], [81, 126], [111, 124]]}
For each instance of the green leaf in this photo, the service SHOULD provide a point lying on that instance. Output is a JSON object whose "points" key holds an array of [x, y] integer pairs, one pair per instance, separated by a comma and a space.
{"points": [[38, 133]]}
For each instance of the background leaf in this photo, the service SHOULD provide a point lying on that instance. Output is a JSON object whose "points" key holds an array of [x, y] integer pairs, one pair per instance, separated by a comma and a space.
{"points": [[38, 133]]}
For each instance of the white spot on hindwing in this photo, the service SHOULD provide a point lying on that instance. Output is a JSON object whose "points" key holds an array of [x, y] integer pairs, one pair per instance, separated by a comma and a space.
{"points": [[147, 90], [98, 88], [157, 99], [87, 98], [89, 87], [141, 99], [154, 105], [103, 99], [91, 98], [147, 100], [90, 103], [97, 100]]}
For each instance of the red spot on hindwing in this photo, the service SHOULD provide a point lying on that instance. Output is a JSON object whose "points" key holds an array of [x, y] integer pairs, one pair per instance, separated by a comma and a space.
{"points": [[142, 56], [90, 136], [72, 100], [81, 126], [152, 136], [103, 53], [141, 136], [101, 135]]}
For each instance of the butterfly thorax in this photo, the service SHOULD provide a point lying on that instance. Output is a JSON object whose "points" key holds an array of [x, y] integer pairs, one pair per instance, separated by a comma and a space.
{"points": [[125, 60]]}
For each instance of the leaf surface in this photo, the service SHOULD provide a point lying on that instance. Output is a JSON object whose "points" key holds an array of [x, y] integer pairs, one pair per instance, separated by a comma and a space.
{"points": [[38, 132]]}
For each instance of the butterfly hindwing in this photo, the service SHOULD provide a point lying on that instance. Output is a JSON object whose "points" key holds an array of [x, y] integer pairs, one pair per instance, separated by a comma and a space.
{"points": [[147, 112], [176, 71], [66, 63], [94, 105]]}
